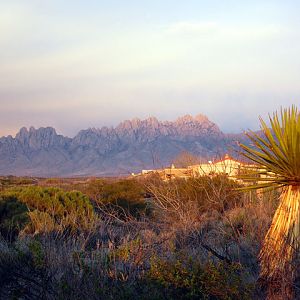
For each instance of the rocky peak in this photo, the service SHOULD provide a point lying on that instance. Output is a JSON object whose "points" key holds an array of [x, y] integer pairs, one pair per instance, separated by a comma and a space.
{"points": [[184, 119], [150, 128], [152, 121], [23, 134], [196, 126], [187, 119], [42, 137], [139, 130], [43, 132], [94, 136], [201, 118]]}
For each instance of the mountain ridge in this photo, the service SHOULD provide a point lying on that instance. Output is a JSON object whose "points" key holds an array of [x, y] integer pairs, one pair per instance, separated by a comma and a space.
{"points": [[129, 147]]}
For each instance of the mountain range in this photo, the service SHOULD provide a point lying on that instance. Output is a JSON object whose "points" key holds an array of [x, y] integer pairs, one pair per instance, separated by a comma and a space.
{"points": [[129, 147]]}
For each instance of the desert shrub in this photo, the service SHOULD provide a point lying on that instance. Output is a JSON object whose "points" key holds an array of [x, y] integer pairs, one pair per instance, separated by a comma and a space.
{"points": [[13, 216], [208, 193], [125, 196], [201, 243], [11, 181], [211, 193], [186, 202], [23, 271], [93, 188], [53, 209], [52, 181], [254, 216], [184, 277]]}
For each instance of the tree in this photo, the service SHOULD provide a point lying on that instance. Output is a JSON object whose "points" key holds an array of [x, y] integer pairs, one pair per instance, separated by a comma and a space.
{"points": [[277, 155]]}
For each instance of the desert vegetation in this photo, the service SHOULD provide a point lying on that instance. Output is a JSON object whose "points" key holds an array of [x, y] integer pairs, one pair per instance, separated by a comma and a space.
{"points": [[127, 239], [199, 238]]}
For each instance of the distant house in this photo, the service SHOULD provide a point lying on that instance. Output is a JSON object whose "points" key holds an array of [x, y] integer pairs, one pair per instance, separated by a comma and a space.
{"points": [[145, 172], [227, 166], [172, 173]]}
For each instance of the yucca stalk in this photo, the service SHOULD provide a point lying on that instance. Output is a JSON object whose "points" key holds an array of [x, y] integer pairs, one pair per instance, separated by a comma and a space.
{"points": [[276, 157]]}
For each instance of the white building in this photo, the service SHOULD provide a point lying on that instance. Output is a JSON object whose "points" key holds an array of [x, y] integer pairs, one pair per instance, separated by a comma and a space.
{"points": [[227, 166]]}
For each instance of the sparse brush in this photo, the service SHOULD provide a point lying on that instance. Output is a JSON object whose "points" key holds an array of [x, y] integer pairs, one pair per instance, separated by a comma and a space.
{"points": [[277, 157]]}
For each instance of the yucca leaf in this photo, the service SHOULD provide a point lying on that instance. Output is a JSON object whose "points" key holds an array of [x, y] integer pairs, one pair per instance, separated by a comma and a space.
{"points": [[276, 155], [277, 151]]}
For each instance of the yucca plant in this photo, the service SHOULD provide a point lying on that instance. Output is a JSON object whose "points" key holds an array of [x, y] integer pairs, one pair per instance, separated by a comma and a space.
{"points": [[276, 156]]}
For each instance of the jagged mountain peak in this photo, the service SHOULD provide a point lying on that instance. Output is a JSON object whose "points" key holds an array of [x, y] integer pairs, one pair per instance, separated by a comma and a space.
{"points": [[185, 118], [151, 122], [192, 119], [152, 119], [24, 132], [201, 118], [42, 137], [129, 124], [132, 145]]}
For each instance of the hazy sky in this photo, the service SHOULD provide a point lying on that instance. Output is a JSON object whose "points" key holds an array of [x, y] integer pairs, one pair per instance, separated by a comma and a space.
{"points": [[79, 64]]}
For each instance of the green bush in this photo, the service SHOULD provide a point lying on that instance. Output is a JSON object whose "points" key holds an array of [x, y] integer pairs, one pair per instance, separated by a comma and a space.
{"points": [[125, 196], [13, 216], [187, 278], [53, 209]]}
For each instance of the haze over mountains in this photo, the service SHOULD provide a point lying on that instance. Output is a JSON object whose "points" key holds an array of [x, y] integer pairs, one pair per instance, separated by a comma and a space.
{"points": [[131, 146]]}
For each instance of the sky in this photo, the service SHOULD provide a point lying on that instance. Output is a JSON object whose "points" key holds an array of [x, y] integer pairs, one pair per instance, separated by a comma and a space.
{"points": [[77, 64]]}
